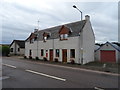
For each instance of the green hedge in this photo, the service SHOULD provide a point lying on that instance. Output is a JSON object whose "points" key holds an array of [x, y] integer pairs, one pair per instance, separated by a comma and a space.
{"points": [[4, 50]]}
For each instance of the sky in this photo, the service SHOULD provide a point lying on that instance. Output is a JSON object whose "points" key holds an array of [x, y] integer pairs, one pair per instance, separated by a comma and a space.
{"points": [[19, 17]]}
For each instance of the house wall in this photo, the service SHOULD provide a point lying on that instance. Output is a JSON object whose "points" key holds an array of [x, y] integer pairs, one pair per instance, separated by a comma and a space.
{"points": [[15, 49], [12, 46], [105, 47], [88, 43], [86, 40], [71, 43]]}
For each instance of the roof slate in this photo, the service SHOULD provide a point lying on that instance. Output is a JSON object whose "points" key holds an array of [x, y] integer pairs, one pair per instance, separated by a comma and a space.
{"points": [[114, 46], [21, 43], [76, 28]]}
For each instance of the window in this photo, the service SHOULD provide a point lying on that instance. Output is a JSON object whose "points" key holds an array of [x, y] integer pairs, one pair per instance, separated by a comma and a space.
{"points": [[57, 52], [11, 50], [64, 36], [42, 52], [45, 38], [18, 49], [72, 53]]}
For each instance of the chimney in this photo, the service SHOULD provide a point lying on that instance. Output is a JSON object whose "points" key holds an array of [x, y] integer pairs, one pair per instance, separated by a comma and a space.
{"points": [[35, 30], [87, 17]]}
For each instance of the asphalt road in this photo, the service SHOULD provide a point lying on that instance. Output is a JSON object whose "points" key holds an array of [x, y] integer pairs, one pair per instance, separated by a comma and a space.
{"points": [[26, 74]]}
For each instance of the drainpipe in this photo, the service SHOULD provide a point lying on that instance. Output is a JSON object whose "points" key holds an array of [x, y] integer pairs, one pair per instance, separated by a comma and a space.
{"points": [[37, 44], [80, 61], [37, 47], [53, 48], [79, 48]]}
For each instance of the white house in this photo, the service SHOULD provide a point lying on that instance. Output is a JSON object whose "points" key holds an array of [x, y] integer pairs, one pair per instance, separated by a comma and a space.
{"points": [[72, 41], [17, 47], [108, 53]]}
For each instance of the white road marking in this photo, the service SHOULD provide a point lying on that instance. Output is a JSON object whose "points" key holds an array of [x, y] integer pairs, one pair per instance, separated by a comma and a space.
{"points": [[97, 88], [4, 77], [54, 77], [9, 65]]}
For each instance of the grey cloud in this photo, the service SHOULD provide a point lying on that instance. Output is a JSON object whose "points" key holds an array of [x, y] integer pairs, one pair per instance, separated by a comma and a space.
{"points": [[23, 19]]}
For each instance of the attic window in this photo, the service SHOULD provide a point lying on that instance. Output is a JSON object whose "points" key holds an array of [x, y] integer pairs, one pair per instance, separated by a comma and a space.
{"points": [[46, 35], [45, 38], [63, 36]]}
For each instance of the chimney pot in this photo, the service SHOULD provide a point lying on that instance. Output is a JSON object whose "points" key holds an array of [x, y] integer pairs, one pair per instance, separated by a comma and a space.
{"points": [[87, 17]]}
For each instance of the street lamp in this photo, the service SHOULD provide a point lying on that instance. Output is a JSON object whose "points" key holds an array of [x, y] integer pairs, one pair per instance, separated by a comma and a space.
{"points": [[78, 10]]}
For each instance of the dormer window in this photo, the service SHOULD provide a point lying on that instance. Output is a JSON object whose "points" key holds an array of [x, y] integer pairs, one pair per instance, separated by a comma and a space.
{"points": [[46, 35], [63, 36], [64, 32], [45, 38]]}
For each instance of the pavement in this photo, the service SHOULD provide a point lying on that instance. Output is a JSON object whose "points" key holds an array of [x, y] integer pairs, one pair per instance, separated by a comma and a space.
{"points": [[19, 73], [69, 66]]}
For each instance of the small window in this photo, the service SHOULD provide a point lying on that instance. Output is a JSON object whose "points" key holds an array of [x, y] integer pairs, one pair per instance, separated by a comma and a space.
{"points": [[45, 38], [11, 50], [42, 52], [57, 52], [18, 49], [64, 36], [72, 53]]}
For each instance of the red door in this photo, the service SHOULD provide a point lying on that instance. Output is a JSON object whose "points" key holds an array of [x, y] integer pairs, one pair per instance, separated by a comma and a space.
{"points": [[108, 56], [64, 55], [51, 55]]}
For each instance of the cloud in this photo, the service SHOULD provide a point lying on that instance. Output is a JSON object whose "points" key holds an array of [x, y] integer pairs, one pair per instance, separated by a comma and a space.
{"points": [[20, 17]]}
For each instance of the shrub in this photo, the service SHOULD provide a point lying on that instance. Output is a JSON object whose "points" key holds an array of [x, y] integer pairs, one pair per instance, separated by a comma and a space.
{"points": [[44, 58], [30, 57], [37, 58], [25, 57], [72, 61], [56, 59], [4, 50]]}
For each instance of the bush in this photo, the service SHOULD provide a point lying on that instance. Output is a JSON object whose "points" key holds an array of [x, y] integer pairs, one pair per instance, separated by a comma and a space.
{"points": [[30, 57], [44, 58], [37, 58], [4, 50], [25, 57], [56, 59], [72, 61]]}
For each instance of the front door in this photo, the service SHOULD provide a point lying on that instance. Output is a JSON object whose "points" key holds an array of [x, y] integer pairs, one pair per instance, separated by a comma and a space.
{"points": [[51, 55], [64, 55]]}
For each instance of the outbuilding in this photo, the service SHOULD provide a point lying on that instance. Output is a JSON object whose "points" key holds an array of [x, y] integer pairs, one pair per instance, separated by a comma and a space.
{"points": [[108, 53], [17, 47]]}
